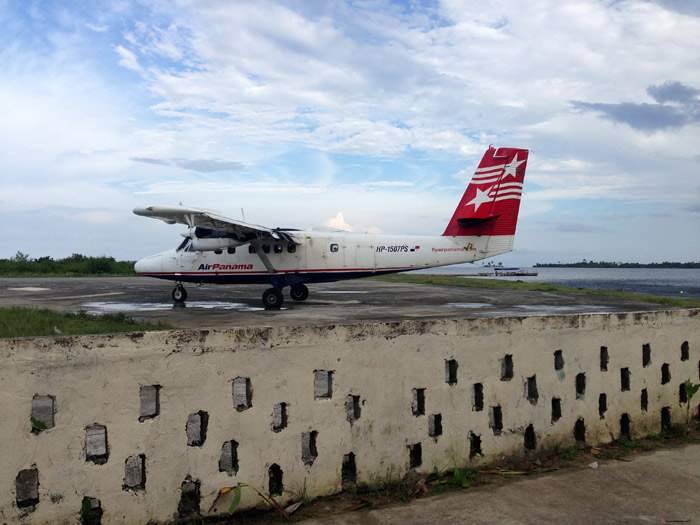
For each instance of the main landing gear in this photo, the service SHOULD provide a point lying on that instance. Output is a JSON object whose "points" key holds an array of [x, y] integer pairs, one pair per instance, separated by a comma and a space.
{"points": [[273, 298]]}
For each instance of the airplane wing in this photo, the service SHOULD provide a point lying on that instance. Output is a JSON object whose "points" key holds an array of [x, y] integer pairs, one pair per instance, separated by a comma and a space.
{"points": [[211, 220]]}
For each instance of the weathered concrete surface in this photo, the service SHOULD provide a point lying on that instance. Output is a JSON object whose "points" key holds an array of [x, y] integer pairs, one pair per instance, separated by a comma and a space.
{"points": [[659, 487], [328, 303]]}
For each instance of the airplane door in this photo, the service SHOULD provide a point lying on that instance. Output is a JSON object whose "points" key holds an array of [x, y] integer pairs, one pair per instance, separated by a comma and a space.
{"points": [[364, 257], [317, 258]]}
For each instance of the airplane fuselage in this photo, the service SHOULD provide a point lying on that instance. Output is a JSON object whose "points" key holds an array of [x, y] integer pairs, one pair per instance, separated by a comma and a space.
{"points": [[320, 256]]}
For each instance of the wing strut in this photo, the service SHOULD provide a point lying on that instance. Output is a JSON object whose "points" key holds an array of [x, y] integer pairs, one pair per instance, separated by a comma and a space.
{"points": [[257, 244]]}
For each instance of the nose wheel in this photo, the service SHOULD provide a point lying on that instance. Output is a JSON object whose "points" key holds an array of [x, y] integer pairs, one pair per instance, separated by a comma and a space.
{"points": [[179, 294]]}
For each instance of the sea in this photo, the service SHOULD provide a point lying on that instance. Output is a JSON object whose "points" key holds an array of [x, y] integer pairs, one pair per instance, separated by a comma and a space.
{"points": [[671, 282]]}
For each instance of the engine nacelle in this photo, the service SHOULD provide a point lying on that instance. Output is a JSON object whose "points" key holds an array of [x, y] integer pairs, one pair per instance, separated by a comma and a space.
{"points": [[204, 240], [210, 245]]}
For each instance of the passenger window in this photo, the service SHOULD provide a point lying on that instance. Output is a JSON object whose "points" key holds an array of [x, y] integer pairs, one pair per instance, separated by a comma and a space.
{"points": [[266, 248], [251, 249], [218, 252], [278, 248], [231, 250], [291, 248], [334, 248]]}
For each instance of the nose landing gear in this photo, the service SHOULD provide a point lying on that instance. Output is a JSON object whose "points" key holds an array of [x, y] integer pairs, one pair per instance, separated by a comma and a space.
{"points": [[179, 294]]}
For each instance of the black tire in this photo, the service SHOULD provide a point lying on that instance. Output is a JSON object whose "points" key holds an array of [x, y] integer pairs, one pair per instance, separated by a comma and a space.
{"points": [[179, 294], [272, 299], [299, 292]]}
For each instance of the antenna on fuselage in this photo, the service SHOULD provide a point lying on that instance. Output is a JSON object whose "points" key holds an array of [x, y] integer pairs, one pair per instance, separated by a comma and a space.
{"points": [[243, 214]]}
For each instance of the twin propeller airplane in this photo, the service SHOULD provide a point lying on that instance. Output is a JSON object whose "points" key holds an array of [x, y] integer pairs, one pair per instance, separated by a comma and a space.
{"points": [[220, 250]]}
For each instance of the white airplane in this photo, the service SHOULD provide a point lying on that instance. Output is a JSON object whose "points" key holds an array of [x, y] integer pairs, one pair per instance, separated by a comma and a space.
{"points": [[220, 250]]}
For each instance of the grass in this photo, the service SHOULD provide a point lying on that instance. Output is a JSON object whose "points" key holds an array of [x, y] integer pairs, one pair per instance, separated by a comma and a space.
{"points": [[448, 280], [33, 322]]}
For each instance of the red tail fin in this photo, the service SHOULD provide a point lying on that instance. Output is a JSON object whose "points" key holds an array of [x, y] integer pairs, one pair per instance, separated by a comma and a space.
{"points": [[491, 202]]}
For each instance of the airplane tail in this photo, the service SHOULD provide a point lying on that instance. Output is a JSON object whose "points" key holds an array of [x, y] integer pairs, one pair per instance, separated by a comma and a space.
{"points": [[490, 204]]}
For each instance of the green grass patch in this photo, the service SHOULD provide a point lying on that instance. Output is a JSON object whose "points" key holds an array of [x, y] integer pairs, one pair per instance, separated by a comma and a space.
{"points": [[33, 322], [451, 280]]}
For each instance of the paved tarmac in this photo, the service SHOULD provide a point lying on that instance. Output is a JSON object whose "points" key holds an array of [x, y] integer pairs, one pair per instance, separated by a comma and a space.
{"points": [[657, 487], [329, 303]]}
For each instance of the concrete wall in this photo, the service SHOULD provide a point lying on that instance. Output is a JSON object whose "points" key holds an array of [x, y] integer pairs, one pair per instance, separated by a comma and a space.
{"points": [[127, 423]]}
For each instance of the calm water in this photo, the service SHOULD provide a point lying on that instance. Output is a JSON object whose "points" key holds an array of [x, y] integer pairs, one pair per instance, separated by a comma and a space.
{"points": [[656, 281]]}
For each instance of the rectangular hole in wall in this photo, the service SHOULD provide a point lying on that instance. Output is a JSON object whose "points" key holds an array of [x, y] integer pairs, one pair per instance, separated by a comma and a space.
{"points": [[474, 445], [604, 358], [644, 401], [242, 394], [646, 355], [666, 419], [150, 402], [275, 475], [530, 438], [507, 368], [580, 430], [279, 417], [435, 425], [665, 374], [580, 385], [558, 360], [348, 470], [196, 428], [625, 379], [418, 404], [602, 405], [228, 461], [309, 453], [685, 351], [496, 419], [43, 410], [478, 397], [323, 384], [451, 366], [135, 473], [190, 498], [90, 511], [352, 408], [556, 409], [96, 449], [415, 455], [682, 394], [531, 390], [625, 426], [27, 488]]}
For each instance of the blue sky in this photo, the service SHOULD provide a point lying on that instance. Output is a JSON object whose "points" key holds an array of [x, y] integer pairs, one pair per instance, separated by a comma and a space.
{"points": [[370, 115]]}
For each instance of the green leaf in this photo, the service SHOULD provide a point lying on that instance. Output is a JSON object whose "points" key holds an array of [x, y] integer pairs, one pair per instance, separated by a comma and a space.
{"points": [[690, 389], [236, 499], [39, 425]]}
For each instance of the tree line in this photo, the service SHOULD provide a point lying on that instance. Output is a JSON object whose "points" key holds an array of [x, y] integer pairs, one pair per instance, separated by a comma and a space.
{"points": [[75, 265], [607, 264]]}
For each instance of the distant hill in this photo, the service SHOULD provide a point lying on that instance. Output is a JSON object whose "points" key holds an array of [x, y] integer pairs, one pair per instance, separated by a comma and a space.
{"points": [[606, 264]]}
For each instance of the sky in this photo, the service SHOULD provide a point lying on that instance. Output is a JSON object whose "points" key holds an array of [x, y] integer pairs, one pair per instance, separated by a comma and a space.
{"points": [[365, 115]]}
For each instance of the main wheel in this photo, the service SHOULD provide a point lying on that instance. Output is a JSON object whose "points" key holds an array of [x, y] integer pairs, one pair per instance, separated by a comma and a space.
{"points": [[299, 292], [179, 294], [272, 298]]}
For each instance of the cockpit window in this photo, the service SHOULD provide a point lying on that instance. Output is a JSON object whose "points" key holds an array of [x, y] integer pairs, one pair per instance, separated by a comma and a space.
{"points": [[182, 245]]}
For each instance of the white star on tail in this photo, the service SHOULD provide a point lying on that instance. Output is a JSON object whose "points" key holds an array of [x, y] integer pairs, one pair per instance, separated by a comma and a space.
{"points": [[480, 198], [510, 168]]}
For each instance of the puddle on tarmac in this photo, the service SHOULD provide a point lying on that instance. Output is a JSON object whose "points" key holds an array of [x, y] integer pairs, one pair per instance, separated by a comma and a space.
{"points": [[469, 305], [115, 307], [339, 291], [29, 289], [546, 309]]}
